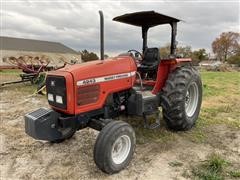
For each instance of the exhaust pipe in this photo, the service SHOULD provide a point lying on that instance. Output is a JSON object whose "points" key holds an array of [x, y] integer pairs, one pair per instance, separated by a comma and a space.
{"points": [[101, 35]]}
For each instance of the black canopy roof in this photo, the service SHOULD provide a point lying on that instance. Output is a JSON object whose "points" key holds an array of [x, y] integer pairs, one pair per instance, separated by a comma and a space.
{"points": [[145, 19]]}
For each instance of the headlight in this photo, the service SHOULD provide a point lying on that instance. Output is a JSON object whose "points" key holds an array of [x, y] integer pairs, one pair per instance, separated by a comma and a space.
{"points": [[50, 97], [59, 99], [56, 85]]}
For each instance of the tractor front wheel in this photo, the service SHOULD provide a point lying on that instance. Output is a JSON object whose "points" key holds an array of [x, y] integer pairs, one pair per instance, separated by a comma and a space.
{"points": [[181, 98], [114, 147]]}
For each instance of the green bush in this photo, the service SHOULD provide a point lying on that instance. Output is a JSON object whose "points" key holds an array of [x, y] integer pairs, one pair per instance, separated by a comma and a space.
{"points": [[234, 60]]}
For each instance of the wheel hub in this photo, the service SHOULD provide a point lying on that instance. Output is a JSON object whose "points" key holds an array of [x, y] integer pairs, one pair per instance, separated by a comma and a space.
{"points": [[121, 149], [191, 99], [187, 99]]}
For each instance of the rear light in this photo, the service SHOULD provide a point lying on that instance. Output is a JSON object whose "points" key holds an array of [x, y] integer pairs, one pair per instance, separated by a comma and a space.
{"points": [[88, 94]]}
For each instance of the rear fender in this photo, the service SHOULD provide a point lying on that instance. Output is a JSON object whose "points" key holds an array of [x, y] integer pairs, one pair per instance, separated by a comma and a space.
{"points": [[165, 68]]}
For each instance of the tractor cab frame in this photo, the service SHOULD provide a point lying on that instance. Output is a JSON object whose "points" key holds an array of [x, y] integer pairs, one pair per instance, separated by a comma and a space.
{"points": [[149, 19], [152, 69]]}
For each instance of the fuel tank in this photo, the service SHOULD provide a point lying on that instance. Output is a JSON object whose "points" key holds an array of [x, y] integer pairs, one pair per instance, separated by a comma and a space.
{"points": [[93, 81]]}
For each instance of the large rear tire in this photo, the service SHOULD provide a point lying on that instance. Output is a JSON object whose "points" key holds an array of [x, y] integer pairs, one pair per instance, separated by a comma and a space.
{"points": [[181, 98], [114, 147]]}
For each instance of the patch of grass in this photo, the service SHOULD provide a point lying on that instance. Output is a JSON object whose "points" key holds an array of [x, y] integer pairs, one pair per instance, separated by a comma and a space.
{"points": [[22, 88], [10, 71], [224, 114], [221, 97], [212, 169], [175, 164], [145, 135], [218, 83], [195, 135], [235, 174], [157, 135], [186, 174], [216, 163], [210, 90]]}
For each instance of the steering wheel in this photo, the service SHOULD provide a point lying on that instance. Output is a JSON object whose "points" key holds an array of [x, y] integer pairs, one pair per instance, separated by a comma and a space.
{"points": [[136, 52]]}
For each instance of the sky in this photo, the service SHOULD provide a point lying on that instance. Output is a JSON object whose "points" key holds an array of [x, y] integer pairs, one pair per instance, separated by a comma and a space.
{"points": [[76, 23]]}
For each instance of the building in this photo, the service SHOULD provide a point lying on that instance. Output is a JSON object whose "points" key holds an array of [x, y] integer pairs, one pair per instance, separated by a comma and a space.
{"points": [[56, 53]]}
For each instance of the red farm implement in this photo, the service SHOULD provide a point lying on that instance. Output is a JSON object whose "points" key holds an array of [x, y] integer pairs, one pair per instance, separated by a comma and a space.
{"points": [[31, 67]]}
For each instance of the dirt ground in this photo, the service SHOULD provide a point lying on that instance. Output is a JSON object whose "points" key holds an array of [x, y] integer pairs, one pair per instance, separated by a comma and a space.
{"points": [[171, 156]]}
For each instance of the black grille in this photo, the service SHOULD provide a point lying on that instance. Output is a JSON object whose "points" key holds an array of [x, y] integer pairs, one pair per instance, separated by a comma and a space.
{"points": [[56, 85], [38, 113]]}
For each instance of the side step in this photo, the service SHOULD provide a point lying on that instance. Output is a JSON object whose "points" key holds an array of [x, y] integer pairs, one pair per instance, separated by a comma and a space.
{"points": [[144, 103], [154, 125]]}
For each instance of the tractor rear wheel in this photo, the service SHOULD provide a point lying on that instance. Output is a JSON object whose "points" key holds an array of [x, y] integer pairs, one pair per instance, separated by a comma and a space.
{"points": [[114, 147], [181, 98]]}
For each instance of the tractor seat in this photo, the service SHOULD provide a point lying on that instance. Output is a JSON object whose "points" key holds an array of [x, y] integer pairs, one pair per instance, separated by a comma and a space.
{"points": [[151, 59]]}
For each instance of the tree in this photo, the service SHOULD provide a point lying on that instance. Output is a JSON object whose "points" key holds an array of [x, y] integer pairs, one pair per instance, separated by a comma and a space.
{"points": [[199, 55], [184, 51], [106, 56], [234, 60], [226, 45], [88, 56], [165, 51]]}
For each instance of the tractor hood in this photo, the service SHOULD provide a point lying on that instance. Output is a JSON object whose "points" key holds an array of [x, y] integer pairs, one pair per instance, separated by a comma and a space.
{"points": [[110, 75], [100, 68]]}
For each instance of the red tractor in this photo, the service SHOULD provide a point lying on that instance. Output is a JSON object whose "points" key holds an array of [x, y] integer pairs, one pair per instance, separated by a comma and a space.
{"points": [[95, 93]]}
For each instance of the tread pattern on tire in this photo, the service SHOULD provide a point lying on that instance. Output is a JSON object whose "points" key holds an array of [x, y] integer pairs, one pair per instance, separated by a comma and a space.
{"points": [[172, 98]]}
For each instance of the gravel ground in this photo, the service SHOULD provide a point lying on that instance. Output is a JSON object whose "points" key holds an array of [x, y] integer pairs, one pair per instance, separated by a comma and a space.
{"points": [[25, 158]]}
